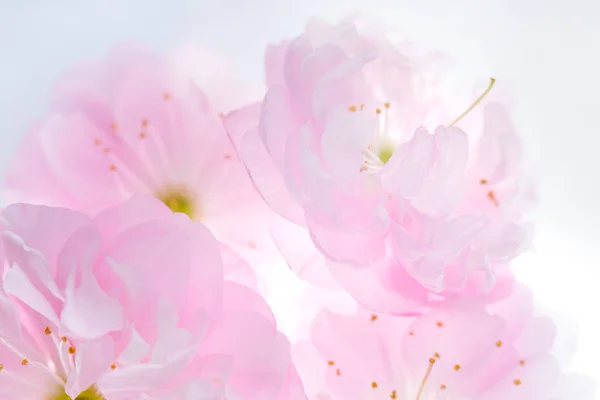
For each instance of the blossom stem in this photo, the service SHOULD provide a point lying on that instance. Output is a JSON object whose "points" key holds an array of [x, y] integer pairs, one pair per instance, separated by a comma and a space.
{"points": [[475, 103]]}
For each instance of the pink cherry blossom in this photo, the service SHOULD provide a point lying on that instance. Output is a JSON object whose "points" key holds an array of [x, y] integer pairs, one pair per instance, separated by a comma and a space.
{"points": [[399, 214], [132, 304], [460, 351], [137, 124]]}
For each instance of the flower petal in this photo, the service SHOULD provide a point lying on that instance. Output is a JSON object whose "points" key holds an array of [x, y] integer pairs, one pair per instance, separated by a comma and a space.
{"points": [[93, 360]]}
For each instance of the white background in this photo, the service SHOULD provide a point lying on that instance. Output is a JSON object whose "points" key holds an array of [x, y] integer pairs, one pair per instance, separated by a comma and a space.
{"points": [[547, 49]]}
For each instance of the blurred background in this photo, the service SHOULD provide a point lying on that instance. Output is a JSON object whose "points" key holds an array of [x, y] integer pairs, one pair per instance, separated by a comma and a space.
{"points": [[548, 51]]}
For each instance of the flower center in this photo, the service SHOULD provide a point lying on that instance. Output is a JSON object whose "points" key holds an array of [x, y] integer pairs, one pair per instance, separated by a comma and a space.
{"points": [[90, 394], [382, 149], [178, 201], [385, 153]]}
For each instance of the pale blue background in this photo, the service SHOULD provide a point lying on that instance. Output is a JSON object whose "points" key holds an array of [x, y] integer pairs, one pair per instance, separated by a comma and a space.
{"points": [[547, 49]]}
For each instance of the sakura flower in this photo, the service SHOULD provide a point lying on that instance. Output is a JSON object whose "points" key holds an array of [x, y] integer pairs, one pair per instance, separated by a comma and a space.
{"points": [[342, 153], [459, 351], [132, 304], [137, 124]]}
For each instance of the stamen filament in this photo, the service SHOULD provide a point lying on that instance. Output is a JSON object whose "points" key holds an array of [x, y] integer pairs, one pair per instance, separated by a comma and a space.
{"points": [[164, 160], [67, 359], [429, 368], [126, 180], [372, 158], [475, 103], [150, 164], [62, 367], [26, 362], [8, 376]]}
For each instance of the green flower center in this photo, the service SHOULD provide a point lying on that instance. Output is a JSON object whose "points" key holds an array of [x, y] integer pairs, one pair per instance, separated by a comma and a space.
{"points": [[178, 201], [385, 153], [90, 394]]}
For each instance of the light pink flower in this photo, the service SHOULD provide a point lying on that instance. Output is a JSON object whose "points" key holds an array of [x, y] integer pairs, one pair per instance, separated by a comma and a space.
{"points": [[132, 304], [342, 153], [137, 124], [460, 351]]}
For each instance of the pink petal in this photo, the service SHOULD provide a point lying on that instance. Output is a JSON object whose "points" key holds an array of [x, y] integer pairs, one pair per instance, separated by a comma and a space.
{"points": [[302, 257], [261, 354], [462, 333], [264, 173], [236, 269], [345, 136], [17, 284], [533, 381], [303, 71], [136, 210], [93, 360], [33, 264], [456, 234], [13, 333], [292, 388], [89, 299], [136, 350], [148, 247], [499, 147], [32, 224], [342, 85], [358, 357], [405, 172], [441, 191], [78, 256], [241, 298], [353, 247], [171, 339], [311, 367], [139, 378], [275, 118], [83, 169], [375, 290], [30, 178]]}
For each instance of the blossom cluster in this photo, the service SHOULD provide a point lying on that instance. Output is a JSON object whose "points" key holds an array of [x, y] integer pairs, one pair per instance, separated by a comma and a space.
{"points": [[143, 207]]}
